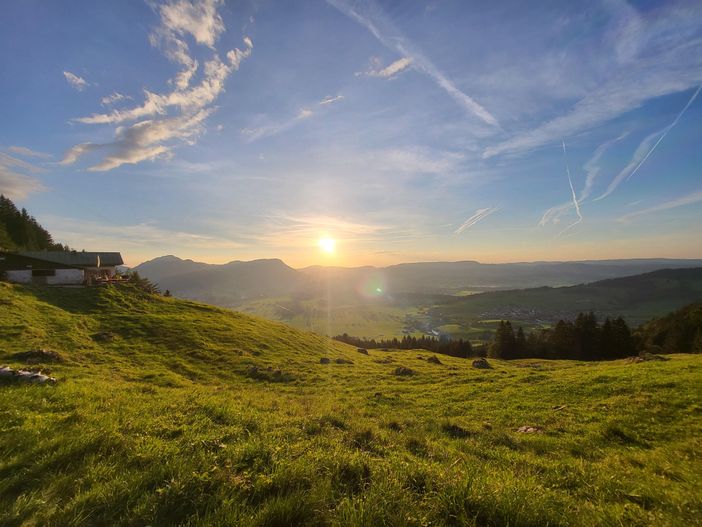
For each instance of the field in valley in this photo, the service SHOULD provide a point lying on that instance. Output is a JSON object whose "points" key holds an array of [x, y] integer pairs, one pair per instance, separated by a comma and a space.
{"points": [[474, 317], [168, 412]]}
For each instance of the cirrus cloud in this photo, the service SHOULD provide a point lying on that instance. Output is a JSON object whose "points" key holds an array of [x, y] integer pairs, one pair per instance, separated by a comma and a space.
{"points": [[79, 83], [165, 119]]}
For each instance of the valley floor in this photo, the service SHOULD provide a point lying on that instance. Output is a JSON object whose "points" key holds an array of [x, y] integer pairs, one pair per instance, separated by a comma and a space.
{"points": [[175, 413]]}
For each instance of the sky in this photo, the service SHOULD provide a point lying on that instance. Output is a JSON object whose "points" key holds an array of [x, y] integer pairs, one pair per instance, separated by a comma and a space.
{"points": [[404, 131]]}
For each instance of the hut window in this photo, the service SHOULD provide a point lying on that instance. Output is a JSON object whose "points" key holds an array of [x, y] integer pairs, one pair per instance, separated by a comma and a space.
{"points": [[43, 272]]}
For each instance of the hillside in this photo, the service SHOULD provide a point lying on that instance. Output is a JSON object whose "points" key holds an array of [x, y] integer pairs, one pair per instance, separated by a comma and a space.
{"points": [[677, 331], [455, 277], [169, 412], [638, 298], [224, 285], [164, 267]]}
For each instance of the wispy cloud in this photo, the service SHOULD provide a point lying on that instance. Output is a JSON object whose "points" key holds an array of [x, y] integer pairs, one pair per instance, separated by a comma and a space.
{"points": [[655, 56], [412, 160], [113, 98], [376, 68], [177, 116], [689, 199], [273, 128], [15, 179], [270, 128], [141, 141], [370, 17], [553, 215], [331, 100], [132, 237], [479, 215], [75, 81], [645, 149], [28, 152], [200, 20]]}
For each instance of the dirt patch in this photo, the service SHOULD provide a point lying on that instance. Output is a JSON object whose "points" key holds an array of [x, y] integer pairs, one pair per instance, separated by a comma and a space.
{"points": [[37, 356]]}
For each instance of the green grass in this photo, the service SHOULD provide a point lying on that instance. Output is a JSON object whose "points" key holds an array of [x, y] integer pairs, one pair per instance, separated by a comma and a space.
{"points": [[178, 420], [373, 320]]}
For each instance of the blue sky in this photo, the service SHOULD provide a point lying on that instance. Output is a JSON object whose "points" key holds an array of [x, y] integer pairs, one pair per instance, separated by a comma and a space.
{"points": [[406, 131]]}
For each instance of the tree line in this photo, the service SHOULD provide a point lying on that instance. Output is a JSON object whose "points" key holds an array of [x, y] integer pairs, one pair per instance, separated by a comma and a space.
{"points": [[444, 346], [676, 332], [582, 339], [19, 231]]}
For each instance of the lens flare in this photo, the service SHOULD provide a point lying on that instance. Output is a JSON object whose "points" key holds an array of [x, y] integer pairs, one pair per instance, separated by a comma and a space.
{"points": [[372, 286]]}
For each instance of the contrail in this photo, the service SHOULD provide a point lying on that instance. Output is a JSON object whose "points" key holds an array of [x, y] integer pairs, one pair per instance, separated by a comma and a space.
{"points": [[592, 169], [668, 129], [689, 199], [362, 13], [621, 176], [480, 214], [572, 191]]}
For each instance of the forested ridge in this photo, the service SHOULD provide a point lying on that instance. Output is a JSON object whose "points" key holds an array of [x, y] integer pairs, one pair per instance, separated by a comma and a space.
{"points": [[19, 231]]}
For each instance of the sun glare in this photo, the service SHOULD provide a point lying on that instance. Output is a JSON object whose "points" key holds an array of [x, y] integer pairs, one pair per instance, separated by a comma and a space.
{"points": [[327, 245]]}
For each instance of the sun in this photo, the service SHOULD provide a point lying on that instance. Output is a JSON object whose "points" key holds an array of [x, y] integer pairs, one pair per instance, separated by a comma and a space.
{"points": [[327, 245]]}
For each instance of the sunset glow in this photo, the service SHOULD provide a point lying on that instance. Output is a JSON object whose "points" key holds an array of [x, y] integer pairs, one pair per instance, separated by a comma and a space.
{"points": [[327, 245]]}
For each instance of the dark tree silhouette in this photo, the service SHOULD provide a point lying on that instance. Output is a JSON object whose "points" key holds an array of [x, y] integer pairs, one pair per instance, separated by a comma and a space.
{"points": [[19, 231]]}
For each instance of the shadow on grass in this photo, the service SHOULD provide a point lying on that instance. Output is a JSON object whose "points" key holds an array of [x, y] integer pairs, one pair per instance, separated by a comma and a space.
{"points": [[81, 300]]}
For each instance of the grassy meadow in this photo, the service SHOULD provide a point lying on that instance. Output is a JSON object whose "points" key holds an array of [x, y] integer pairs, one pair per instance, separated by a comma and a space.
{"points": [[372, 320], [168, 412]]}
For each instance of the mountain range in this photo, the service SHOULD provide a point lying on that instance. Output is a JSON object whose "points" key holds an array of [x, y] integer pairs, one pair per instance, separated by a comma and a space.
{"points": [[239, 281]]}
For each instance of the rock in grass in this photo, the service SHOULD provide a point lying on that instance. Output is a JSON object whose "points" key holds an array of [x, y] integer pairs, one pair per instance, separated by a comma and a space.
{"points": [[324, 360], [384, 360], [434, 360], [529, 429], [482, 364], [36, 356], [104, 336], [8, 373], [403, 371], [343, 361], [364, 351], [646, 357]]}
